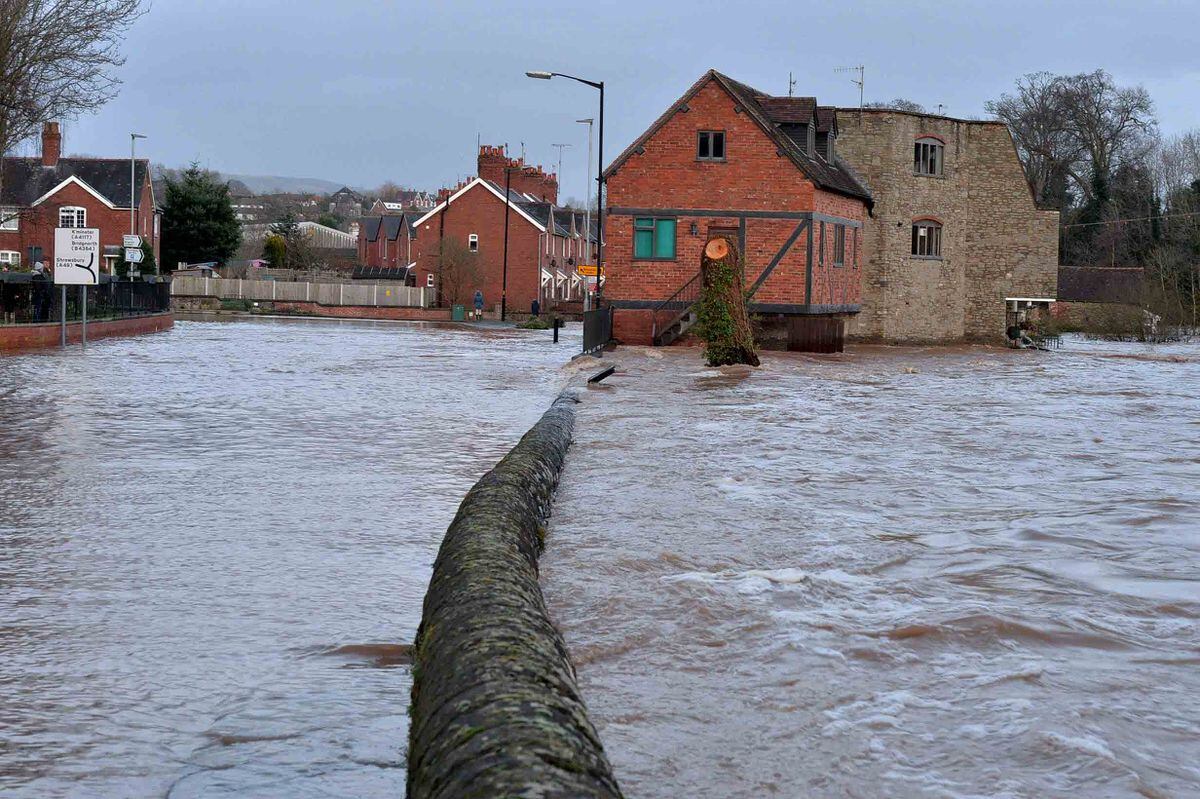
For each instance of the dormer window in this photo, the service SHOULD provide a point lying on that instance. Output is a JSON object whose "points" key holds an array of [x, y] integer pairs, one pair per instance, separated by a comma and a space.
{"points": [[928, 156], [710, 145], [812, 139]]}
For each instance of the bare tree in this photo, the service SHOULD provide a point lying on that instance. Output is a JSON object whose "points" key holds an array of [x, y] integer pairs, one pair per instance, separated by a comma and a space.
{"points": [[1110, 125], [1037, 117], [58, 60], [457, 271], [899, 104]]}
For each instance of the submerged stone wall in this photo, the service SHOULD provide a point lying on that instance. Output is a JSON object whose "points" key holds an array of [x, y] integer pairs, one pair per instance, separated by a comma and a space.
{"points": [[496, 711]]}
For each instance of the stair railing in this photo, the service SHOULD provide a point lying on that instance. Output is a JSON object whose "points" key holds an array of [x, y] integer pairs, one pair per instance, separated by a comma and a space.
{"points": [[681, 301]]}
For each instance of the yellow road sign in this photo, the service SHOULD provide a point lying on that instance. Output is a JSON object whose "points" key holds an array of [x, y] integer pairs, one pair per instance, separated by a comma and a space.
{"points": [[587, 270]]}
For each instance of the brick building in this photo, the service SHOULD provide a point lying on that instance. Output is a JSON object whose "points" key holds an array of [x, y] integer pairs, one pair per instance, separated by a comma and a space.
{"points": [[386, 241], [727, 159], [954, 238], [40, 194], [545, 242]]}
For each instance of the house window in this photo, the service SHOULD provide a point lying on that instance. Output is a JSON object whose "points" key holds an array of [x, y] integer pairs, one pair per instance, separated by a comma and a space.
{"points": [[157, 220], [654, 239], [927, 239], [473, 242], [72, 216], [839, 245], [928, 156], [710, 145], [429, 280], [9, 219], [10, 258]]}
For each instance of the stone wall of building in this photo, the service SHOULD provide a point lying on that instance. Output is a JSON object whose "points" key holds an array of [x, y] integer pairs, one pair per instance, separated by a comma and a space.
{"points": [[995, 242]]}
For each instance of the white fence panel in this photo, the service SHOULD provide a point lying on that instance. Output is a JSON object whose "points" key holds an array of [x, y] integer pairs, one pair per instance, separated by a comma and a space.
{"points": [[391, 295]]}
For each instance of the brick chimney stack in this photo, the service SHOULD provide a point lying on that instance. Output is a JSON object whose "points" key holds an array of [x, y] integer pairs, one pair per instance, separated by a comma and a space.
{"points": [[51, 144], [525, 179]]}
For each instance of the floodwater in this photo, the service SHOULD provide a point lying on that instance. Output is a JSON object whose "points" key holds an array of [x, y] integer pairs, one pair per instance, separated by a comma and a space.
{"points": [[214, 544], [895, 572]]}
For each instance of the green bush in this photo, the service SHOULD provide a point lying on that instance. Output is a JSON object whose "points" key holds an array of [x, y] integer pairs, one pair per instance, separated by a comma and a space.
{"points": [[535, 323]]}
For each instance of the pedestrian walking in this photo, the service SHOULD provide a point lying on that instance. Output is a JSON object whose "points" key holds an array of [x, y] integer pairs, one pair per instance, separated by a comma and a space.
{"points": [[478, 304]]}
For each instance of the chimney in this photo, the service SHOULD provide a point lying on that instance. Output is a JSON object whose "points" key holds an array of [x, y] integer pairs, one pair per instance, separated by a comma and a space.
{"points": [[51, 144]]}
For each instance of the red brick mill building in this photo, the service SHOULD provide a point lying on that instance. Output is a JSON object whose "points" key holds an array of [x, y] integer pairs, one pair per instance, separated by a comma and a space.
{"points": [[727, 159]]}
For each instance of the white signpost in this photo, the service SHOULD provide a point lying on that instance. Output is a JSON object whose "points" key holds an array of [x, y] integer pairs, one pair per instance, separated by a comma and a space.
{"points": [[134, 256], [76, 263], [131, 240]]}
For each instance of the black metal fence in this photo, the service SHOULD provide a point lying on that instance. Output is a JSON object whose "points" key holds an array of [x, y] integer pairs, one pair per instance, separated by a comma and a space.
{"points": [[597, 329], [24, 300]]}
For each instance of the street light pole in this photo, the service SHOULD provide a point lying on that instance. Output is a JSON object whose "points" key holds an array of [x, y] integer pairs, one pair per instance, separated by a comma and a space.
{"points": [[599, 174], [133, 137], [504, 277]]}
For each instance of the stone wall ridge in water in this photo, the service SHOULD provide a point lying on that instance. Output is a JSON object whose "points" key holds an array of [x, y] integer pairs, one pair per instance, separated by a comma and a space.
{"points": [[496, 710]]}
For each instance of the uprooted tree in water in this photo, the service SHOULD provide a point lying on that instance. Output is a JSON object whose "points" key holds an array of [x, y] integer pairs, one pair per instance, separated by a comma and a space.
{"points": [[724, 323]]}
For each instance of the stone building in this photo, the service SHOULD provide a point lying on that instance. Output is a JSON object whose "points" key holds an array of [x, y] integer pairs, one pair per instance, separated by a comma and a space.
{"points": [[954, 238]]}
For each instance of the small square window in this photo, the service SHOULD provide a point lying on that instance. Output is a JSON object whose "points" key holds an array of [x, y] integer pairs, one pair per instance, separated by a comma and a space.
{"points": [[710, 145], [927, 240], [10, 219], [654, 239]]}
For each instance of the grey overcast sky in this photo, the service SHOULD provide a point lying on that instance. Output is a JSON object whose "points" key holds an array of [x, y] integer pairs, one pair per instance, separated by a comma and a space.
{"points": [[363, 92]]}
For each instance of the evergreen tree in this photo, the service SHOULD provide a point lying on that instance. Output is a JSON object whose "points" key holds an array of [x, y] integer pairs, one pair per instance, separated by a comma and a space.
{"points": [[198, 223]]}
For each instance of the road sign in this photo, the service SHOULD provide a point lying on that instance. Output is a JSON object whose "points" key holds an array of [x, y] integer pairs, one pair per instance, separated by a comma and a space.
{"points": [[587, 270], [133, 256], [76, 256], [131, 240]]}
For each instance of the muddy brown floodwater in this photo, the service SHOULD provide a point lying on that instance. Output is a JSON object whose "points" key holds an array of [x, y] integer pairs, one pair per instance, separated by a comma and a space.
{"points": [[214, 544], [896, 572]]}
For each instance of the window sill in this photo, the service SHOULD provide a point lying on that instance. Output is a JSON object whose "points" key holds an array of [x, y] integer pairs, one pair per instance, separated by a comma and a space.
{"points": [[652, 260], [926, 257], [925, 175], [711, 160]]}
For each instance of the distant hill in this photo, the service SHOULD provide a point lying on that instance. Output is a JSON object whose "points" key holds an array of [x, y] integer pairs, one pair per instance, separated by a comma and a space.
{"points": [[273, 184]]}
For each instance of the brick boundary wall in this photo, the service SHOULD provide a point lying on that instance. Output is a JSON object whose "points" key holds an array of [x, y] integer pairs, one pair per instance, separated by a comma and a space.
{"points": [[496, 710], [19, 338]]}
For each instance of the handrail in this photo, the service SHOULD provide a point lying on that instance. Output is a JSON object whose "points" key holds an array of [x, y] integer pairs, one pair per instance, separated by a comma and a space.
{"points": [[684, 297]]}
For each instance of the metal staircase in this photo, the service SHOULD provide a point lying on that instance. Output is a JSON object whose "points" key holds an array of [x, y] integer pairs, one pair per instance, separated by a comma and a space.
{"points": [[678, 313]]}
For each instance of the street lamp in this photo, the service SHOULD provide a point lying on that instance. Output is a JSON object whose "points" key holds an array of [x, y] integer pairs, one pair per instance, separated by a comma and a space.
{"points": [[133, 137], [599, 175], [508, 170]]}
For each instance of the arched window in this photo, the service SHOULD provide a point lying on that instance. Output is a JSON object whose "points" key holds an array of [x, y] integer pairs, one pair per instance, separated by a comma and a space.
{"points": [[927, 238], [928, 154], [473, 242], [72, 216]]}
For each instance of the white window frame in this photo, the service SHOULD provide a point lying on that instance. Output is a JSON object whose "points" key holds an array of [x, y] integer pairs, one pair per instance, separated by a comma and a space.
{"points": [[429, 280], [473, 242], [10, 257], [79, 212], [10, 219], [929, 157]]}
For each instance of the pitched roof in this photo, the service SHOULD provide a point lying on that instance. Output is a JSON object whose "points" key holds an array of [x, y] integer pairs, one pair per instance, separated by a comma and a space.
{"points": [[26, 180], [370, 227], [784, 120], [515, 201]]}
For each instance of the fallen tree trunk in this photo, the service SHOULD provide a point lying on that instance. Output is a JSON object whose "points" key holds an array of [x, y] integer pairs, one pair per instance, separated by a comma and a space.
{"points": [[495, 706], [724, 322]]}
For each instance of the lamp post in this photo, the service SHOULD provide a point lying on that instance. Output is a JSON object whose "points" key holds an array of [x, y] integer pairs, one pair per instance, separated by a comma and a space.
{"points": [[599, 175], [587, 214], [508, 170], [133, 137]]}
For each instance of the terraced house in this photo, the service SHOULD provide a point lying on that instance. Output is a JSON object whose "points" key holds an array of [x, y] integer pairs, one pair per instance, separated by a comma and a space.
{"points": [[877, 224]]}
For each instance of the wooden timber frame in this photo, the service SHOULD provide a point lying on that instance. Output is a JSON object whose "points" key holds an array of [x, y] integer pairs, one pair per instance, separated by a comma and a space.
{"points": [[806, 222]]}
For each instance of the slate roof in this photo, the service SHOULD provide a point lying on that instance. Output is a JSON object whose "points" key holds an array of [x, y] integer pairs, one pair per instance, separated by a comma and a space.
{"points": [[370, 227], [785, 120], [389, 224], [25, 179]]}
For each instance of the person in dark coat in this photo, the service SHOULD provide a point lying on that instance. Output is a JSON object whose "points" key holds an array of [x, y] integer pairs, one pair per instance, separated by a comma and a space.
{"points": [[41, 293]]}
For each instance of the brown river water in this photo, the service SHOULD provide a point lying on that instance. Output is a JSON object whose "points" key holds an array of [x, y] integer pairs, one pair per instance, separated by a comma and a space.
{"points": [[214, 544], [889, 573], [894, 572]]}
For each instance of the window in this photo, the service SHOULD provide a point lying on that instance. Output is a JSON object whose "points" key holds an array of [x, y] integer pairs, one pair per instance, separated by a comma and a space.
{"points": [[839, 245], [157, 220], [710, 145], [429, 280], [927, 156], [9, 219], [10, 258], [473, 242], [654, 239], [72, 216], [927, 239]]}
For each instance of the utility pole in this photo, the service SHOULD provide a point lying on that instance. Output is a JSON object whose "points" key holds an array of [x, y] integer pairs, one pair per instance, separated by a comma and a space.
{"points": [[133, 137], [587, 213], [560, 147], [791, 84]]}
